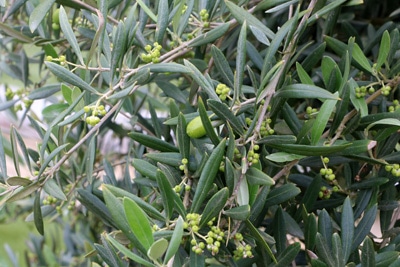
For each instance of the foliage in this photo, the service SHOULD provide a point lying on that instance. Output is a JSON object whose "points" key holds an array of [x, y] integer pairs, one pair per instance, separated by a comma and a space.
{"points": [[260, 132]]}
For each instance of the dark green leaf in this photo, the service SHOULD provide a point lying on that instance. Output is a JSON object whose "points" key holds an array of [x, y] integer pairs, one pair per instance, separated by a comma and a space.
{"points": [[386, 258], [325, 226], [347, 227], [369, 183], [172, 91], [204, 83], [225, 114], [182, 138], [326, 9], [207, 123], [167, 194], [145, 168], [288, 255], [37, 214], [364, 226], [309, 150], [240, 63], [304, 91], [281, 194], [322, 119], [210, 36], [95, 205], [360, 58], [170, 158], [214, 206], [207, 176], [324, 251], [260, 240], [280, 231], [119, 40], [384, 50], [162, 20], [256, 177], [368, 253], [310, 231], [222, 65], [153, 142], [240, 213]]}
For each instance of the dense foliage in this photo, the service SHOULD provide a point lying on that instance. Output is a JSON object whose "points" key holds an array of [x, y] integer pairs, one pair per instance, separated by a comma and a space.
{"points": [[204, 133]]}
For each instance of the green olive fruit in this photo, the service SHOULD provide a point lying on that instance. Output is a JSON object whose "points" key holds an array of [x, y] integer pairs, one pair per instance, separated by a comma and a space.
{"points": [[195, 128], [55, 17]]}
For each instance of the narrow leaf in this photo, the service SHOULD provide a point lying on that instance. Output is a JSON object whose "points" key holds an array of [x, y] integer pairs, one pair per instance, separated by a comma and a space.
{"points": [[138, 222], [150, 210], [214, 206], [52, 188], [324, 252], [24, 192], [242, 15], [222, 65], [52, 155], [288, 255], [207, 123], [225, 114], [240, 62], [257, 177], [360, 58], [368, 253], [347, 225], [67, 76], [17, 180], [37, 214], [199, 78], [39, 13], [183, 139], [128, 253], [167, 194], [282, 194], [175, 241], [309, 150], [207, 176], [69, 34], [162, 20], [322, 119], [364, 226], [384, 50], [240, 213], [304, 91], [210, 36], [153, 142]]}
